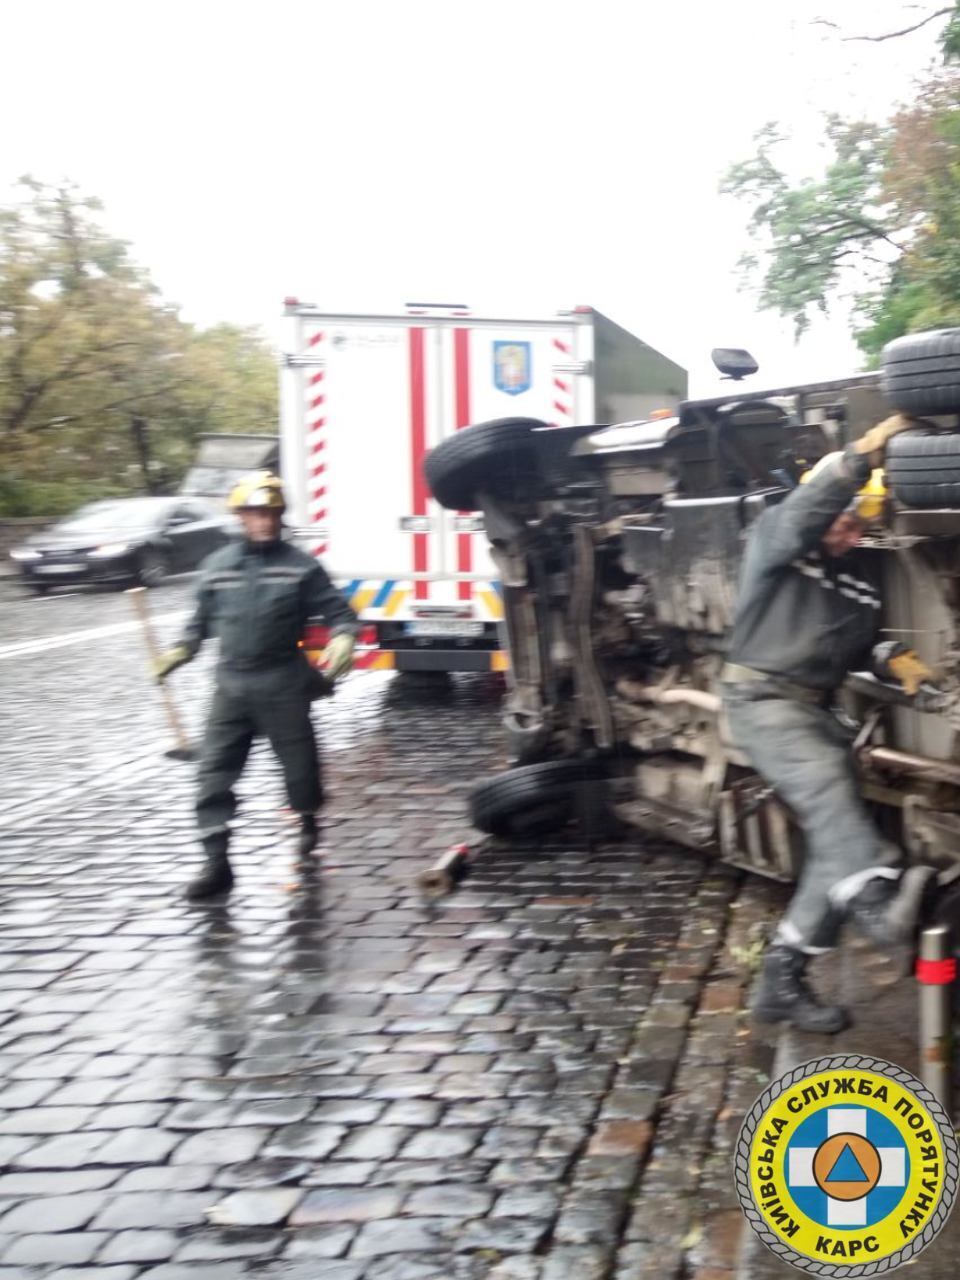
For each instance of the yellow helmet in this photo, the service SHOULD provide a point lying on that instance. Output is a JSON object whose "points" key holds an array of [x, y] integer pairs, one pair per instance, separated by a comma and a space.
{"points": [[870, 501], [262, 491]]}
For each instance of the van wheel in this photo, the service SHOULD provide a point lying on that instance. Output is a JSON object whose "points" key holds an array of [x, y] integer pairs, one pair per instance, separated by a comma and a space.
{"points": [[921, 372], [924, 470], [533, 799], [496, 457]]}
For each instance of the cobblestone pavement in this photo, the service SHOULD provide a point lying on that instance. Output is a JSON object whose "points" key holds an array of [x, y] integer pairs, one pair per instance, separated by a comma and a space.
{"points": [[539, 1077]]}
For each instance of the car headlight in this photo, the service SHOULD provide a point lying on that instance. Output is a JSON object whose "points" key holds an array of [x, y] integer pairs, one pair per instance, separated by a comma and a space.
{"points": [[24, 553], [109, 549]]}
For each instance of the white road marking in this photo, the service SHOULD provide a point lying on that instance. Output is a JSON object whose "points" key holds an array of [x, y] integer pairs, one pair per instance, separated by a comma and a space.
{"points": [[25, 648]]}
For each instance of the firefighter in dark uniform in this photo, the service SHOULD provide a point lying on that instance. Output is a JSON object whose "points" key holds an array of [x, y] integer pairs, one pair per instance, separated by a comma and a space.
{"points": [[808, 613], [256, 596]]}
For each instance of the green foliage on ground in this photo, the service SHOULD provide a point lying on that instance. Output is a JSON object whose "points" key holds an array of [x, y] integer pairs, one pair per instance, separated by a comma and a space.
{"points": [[89, 348]]}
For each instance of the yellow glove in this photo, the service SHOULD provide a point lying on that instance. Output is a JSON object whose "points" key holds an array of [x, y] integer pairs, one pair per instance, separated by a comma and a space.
{"points": [[875, 440], [909, 671], [169, 661], [337, 657]]}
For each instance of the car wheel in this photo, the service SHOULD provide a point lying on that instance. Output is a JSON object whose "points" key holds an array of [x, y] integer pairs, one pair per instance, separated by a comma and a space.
{"points": [[924, 470], [495, 457], [921, 372], [532, 799], [39, 588], [154, 568]]}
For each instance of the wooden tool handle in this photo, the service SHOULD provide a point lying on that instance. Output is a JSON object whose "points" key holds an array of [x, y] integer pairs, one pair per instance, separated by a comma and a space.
{"points": [[139, 597]]}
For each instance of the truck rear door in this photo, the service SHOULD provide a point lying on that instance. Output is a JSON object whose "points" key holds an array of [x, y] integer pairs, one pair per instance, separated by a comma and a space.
{"points": [[504, 369], [364, 399]]}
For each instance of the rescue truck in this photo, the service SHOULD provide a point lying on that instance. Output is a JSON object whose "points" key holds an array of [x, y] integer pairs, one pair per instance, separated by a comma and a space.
{"points": [[365, 398]]}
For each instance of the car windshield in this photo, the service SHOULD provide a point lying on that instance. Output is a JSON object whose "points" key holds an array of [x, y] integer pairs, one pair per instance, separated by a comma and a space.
{"points": [[125, 513], [213, 480]]}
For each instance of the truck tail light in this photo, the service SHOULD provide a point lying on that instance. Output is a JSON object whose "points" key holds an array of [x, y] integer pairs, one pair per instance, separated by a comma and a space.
{"points": [[317, 637]]}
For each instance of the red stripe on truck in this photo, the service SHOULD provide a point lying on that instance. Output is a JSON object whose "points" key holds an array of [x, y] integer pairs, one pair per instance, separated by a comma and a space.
{"points": [[461, 366], [418, 448]]}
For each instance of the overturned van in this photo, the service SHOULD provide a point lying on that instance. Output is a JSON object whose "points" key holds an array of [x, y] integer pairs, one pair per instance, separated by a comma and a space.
{"points": [[619, 551]]}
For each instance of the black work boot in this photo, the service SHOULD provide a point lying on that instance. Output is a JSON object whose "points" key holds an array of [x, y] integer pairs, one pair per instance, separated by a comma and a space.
{"points": [[888, 911], [309, 835], [216, 875], [784, 996]]}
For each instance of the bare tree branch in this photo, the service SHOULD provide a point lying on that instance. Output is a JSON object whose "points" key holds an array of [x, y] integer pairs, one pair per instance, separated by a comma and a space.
{"points": [[865, 228], [889, 35], [69, 370], [126, 402]]}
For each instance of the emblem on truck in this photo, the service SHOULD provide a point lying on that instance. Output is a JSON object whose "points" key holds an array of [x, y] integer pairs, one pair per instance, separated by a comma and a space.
{"points": [[512, 367], [847, 1166]]}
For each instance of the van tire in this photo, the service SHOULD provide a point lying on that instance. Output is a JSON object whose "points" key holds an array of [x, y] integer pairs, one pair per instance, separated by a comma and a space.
{"points": [[532, 799], [921, 372], [923, 471], [495, 457]]}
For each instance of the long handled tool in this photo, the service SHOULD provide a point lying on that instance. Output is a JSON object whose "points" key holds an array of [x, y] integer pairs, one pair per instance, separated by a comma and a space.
{"points": [[446, 872], [182, 750]]}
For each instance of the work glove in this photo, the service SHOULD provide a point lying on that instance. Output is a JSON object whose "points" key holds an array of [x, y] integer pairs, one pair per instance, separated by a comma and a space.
{"points": [[875, 440], [909, 671], [337, 657], [894, 661], [169, 661]]}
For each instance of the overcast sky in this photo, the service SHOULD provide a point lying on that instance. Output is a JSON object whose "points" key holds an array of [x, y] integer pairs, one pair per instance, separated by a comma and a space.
{"points": [[514, 155]]}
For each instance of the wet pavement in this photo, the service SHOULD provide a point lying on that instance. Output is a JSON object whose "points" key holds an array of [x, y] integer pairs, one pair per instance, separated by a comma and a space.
{"points": [[539, 1077]]}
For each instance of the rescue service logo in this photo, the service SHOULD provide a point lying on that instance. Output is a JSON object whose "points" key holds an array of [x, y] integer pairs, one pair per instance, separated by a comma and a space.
{"points": [[512, 367], [847, 1166]]}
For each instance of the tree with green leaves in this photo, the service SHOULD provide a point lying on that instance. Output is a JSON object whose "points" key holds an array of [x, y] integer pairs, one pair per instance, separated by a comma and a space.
{"points": [[103, 387], [882, 220]]}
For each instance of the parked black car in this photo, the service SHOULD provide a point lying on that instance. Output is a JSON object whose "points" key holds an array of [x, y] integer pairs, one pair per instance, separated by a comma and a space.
{"points": [[123, 540]]}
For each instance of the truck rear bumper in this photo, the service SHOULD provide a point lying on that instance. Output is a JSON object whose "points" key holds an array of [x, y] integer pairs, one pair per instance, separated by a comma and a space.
{"points": [[449, 660], [425, 659]]}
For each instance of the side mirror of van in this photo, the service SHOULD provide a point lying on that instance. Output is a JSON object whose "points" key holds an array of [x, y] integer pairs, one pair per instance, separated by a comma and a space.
{"points": [[734, 362]]}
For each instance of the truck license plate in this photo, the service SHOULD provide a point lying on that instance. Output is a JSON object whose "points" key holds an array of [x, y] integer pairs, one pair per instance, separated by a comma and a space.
{"points": [[441, 627]]}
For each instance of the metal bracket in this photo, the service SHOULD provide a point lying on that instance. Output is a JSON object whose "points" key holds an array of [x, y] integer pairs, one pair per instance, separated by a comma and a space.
{"points": [[302, 362]]}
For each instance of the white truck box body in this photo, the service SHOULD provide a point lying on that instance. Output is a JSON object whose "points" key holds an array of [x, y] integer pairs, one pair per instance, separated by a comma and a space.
{"points": [[365, 397]]}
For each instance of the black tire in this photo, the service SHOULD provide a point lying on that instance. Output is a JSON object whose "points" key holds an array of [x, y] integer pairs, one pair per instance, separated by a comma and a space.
{"points": [[497, 457], [39, 588], [532, 799], [924, 470], [921, 372], [153, 567]]}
